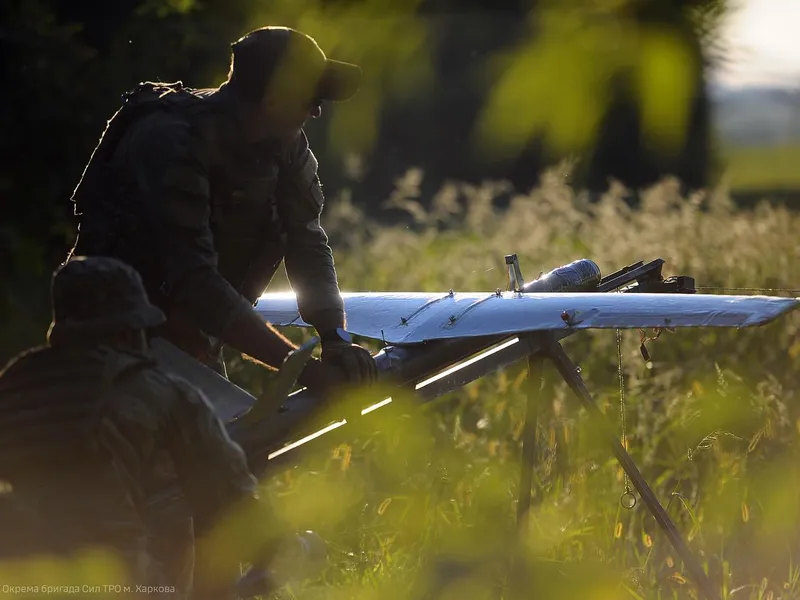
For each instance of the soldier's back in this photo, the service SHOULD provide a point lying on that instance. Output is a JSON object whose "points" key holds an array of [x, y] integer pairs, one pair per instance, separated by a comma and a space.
{"points": [[76, 464], [155, 128]]}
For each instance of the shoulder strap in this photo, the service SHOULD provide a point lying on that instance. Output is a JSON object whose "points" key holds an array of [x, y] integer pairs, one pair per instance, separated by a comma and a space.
{"points": [[117, 365], [301, 168], [136, 103]]}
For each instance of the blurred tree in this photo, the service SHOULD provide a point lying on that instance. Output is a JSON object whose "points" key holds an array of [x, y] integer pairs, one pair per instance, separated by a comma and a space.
{"points": [[68, 63], [620, 84], [435, 71], [625, 148]]}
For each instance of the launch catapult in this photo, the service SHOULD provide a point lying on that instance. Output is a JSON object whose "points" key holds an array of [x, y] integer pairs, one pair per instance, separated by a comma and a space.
{"points": [[435, 343]]}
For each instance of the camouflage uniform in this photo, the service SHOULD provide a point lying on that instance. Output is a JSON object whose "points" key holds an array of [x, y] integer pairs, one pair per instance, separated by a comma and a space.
{"points": [[203, 217], [91, 434]]}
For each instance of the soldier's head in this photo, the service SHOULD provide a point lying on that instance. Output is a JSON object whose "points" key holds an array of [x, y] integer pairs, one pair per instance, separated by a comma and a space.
{"points": [[285, 77], [100, 299]]}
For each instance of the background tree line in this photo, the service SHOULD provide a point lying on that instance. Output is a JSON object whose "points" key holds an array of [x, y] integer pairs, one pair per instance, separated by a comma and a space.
{"points": [[464, 90]]}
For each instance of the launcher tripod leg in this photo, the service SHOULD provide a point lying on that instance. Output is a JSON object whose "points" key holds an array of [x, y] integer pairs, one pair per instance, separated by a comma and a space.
{"points": [[529, 441], [569, 371]]}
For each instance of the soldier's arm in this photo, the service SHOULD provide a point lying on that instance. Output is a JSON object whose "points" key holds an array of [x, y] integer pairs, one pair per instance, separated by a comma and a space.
{"points": [[165, 437], [172, 178], [231, 522], [308, 259]]}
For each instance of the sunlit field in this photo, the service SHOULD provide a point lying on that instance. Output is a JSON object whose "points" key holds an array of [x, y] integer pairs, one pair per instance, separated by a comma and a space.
{"points": [[419, 502], [422, 502], [425, 505], [761, 168]]}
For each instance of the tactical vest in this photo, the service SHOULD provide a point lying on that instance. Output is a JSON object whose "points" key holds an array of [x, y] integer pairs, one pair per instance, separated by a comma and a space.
{"points": [[50, 401], [245, 221], [50, 405]]}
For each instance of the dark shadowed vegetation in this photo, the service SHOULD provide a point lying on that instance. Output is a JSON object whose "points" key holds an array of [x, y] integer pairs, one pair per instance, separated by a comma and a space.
{"points": [[464, 90], [433, 173]]}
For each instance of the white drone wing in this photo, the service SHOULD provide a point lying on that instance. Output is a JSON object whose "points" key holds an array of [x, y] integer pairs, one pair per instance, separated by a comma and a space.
{"points": [[416, 317]]}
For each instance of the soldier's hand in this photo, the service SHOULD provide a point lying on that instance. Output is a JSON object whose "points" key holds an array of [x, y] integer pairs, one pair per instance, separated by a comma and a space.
{"points": [[355, 362], [321, 377]]}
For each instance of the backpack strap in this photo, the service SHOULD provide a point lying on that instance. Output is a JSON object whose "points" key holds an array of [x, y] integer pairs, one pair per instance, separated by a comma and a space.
{"points": [[136, 103]]}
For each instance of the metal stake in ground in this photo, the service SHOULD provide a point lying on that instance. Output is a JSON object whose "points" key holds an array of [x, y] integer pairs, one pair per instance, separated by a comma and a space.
{"points": [[529, 443], [569, 372]]}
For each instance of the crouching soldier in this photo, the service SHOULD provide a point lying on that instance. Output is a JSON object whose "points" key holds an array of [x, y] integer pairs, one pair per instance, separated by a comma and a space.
{"points": [[91, 430]]}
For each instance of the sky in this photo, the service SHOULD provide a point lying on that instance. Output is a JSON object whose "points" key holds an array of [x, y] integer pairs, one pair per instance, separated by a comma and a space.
{"points": [[764, 41]]}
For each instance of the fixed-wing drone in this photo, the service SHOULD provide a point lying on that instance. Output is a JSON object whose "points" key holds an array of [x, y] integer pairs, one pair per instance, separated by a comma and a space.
{"points": [[435, 343]]}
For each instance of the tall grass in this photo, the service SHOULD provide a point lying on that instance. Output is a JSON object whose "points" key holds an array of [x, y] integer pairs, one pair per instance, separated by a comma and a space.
{"points": [[424, 505]]}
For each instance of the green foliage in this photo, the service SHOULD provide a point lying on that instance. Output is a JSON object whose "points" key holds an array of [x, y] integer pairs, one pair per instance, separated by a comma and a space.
{"points": [[763, 168], [423, 502], [545, 73], [559, 80]]}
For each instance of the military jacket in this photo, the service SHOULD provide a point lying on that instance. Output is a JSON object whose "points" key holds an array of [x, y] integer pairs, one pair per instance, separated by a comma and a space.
{"points": [[205, 218], [89, 437]]}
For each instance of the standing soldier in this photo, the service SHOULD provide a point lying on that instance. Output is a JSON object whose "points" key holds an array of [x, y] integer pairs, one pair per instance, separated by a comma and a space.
{"points": [[91, 430], [204, 192]]}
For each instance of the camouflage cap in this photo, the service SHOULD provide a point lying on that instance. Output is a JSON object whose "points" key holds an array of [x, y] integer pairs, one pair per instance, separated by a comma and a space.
{"points": [[99, 295], [294, 62]]}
